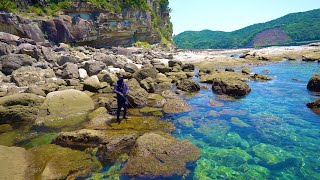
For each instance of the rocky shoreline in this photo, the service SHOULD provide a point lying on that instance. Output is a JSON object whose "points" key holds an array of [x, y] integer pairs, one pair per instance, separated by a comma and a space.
{"points": [[64, 96]]}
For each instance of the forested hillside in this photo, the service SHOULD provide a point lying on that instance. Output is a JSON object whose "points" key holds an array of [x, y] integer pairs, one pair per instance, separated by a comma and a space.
{"points": [[290, 29]]}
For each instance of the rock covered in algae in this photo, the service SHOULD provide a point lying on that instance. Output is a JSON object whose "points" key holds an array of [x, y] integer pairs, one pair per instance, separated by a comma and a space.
{"points": [[137, 96], [231, 87], [139, 124], [272, 155], [98, 118], [110, 144], [156, 100], [22, 107], [64, 108], [55, 162], [160, 155], [188, 85], [45, 162]]}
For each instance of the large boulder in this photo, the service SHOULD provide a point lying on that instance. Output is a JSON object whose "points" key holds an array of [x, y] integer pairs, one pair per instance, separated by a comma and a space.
{"points": [[314, 83], [110, 145], [146, 72], [188, 85], [70, 71], [92, 84], [94, 67], [231, 87], [30, 75], [160, 155], [64, 108], [21, 107], [137, 96], [11, 62]]}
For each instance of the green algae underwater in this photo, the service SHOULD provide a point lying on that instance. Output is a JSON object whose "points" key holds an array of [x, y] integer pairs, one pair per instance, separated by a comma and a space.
{"points": [[269, 134]]}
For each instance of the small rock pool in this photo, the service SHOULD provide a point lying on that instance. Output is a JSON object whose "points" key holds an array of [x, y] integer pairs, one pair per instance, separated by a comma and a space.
{"points": [[269, 134]]}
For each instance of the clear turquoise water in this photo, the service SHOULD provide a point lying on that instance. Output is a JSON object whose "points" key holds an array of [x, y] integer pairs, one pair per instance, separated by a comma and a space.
{"points": [[269, 134]]}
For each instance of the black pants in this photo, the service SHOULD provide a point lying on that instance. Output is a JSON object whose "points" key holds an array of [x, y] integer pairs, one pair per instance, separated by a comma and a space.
{"points": [[121, 104]]}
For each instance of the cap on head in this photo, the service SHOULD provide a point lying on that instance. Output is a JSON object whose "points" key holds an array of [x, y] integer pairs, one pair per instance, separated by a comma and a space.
{"points": [[120, 76]]}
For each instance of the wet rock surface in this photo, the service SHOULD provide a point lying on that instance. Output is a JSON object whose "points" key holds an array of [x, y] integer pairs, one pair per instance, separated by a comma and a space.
{"points": [[160, 155]]}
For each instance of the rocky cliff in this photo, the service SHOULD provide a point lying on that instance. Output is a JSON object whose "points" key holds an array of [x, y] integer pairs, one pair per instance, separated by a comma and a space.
{"points": [[87, 23]]}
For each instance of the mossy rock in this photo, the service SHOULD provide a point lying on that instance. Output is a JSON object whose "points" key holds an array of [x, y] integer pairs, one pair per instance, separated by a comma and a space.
{"points": [[231, 87], [143, 124], [64, 108], [21, 108], [257, 172], [209, 78], [137, 96], [160, 155], [24, 99], [151, 110], [98, 118], [5, 128], [55, 162], [111, 144], [188, 85], [156, 100]]}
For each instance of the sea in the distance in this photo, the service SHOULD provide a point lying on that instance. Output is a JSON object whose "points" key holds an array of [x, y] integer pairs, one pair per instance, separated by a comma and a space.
{"points": [[269, 134]]}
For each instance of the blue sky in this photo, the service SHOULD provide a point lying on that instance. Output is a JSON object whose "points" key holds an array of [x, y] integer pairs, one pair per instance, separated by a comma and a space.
{"points": [[230, 15]]}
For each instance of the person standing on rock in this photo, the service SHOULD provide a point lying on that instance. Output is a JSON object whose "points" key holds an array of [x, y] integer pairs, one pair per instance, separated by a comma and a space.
{"points": [[121, 88]]}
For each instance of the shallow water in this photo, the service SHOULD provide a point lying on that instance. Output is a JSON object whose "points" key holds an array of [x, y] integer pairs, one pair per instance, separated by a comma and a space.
{"points": [[268, 134]]}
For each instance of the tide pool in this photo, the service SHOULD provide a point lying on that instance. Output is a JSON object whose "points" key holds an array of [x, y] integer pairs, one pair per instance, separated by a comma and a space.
{"points": [[269, 134]]}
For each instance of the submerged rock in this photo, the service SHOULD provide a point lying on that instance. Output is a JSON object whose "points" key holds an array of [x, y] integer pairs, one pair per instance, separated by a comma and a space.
{"points": [[270, 154], [314, 83], [234, 88], [160, 155]]}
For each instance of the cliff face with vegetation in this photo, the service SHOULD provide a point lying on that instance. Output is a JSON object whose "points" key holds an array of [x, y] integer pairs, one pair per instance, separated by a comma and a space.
{"points": [[98, 23], [292, 29]]}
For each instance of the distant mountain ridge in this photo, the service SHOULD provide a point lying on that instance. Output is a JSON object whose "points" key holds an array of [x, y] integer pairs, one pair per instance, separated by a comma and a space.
{"points": [[295, 28]]}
